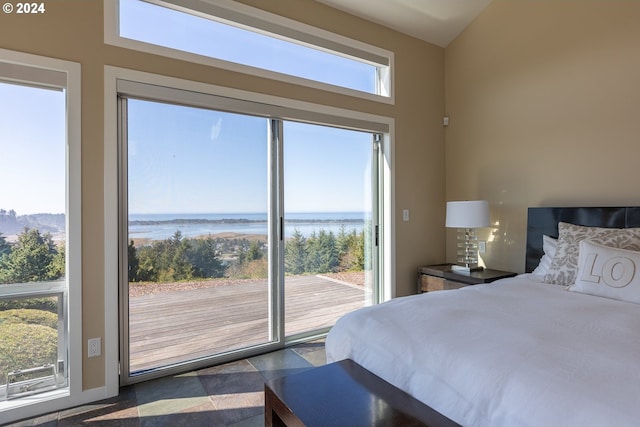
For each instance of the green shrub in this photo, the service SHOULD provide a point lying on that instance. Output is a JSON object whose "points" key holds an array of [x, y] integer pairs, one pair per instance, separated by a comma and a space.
{"points": [[46, 304], [29, 316], [26, 346], [256, 269]]}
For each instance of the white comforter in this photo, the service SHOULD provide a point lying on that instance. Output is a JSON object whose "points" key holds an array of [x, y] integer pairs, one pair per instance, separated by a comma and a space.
{"points": [[510, 353]]}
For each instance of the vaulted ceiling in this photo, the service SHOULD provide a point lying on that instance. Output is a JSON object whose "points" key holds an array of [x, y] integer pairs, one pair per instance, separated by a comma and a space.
{"points": [[435, 21]]}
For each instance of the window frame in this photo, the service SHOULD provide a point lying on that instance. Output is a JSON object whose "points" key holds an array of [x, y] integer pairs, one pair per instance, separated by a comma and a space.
{"points": [[229, 11], [56, 289], [148, 85], [39, 71]]}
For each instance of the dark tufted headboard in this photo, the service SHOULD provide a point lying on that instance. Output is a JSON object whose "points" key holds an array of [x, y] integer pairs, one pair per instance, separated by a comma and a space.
{"points": [[542, 221]]}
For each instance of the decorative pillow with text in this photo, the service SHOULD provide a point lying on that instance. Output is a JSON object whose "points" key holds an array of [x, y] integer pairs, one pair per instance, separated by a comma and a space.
{"points": [[564, 265], [608, 272]]}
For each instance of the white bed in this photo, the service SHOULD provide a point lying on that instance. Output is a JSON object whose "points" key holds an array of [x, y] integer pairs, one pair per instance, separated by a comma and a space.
{"points": [[516, 352]]}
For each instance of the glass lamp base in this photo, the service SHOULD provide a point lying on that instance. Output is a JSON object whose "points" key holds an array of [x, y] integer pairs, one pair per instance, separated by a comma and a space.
{"points": [[467, 251], [466, 269]]}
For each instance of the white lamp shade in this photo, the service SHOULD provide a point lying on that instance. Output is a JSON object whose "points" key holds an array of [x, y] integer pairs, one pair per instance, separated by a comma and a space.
{"points": [[468, 214]]}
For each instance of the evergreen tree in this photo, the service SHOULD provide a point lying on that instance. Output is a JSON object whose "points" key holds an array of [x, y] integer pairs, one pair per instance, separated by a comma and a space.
{"points": [[357, 249], [176, 259], [350, 248], [343, 247], [204, 257], [171, 263], [147, 271], [322, 253], [5, 250], [5, 247], [8, 216], [295, 253], [180, 266], [59, 262], [30, 259], [133, 262], [254, 252]]}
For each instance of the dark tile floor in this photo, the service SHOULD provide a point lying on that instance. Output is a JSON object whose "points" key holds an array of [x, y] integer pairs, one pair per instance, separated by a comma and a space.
{"points": [[226, 395]]}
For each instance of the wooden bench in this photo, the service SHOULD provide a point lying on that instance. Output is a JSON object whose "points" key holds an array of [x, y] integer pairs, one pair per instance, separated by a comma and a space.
{"points": [[343, 394]]}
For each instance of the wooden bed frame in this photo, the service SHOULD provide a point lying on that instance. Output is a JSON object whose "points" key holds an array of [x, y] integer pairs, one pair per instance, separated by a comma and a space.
{"points": [[541, 221]]}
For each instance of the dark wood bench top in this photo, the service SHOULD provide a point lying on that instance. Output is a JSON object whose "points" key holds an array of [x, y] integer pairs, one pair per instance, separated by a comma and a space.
{"points": [[344, 394]]}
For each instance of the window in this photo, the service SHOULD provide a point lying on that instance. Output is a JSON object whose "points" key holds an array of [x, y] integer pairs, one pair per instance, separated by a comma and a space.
{"points": [[237, 34], [39, 227]]}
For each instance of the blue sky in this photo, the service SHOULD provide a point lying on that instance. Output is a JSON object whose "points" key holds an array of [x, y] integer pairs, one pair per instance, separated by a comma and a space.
{"points": [[32, 149], [188, 160], [165, 27]]}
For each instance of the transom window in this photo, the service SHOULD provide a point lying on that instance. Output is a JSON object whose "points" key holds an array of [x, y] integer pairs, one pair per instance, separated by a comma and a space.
{"points": [[258, 41]]}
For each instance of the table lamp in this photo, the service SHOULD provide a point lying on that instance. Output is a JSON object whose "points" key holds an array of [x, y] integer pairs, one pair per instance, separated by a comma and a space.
{"points": [[467, 216]]}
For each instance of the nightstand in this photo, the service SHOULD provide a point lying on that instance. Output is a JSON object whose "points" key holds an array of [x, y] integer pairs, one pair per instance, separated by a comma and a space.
{"points": [[440, 277]]}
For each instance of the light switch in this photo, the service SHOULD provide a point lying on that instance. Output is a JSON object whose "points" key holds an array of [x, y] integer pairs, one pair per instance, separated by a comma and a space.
{"points": [[405, 214]]}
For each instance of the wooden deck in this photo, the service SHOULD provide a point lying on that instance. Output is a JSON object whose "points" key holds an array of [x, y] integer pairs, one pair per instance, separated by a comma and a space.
{"points": [[175, 327]]}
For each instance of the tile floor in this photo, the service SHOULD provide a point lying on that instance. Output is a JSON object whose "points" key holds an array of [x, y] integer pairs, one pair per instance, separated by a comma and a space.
{"points": [[225, 395]]}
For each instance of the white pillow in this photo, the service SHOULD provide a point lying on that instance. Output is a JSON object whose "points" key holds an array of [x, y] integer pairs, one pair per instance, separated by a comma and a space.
{"points": [[608, 272], [549, 245], [564, 265]]}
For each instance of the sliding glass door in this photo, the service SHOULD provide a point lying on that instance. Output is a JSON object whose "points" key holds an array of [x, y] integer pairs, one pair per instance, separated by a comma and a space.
{"points": [[328, 220], [196, 230], [239, 232]]}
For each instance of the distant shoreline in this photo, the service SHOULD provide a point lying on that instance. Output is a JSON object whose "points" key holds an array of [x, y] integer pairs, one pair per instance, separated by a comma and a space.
{"points": [[56, 237], [145, 229], [182, 221]]}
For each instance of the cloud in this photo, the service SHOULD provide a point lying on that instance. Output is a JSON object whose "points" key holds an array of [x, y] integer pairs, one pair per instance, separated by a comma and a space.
{"points": [[215, 129]]}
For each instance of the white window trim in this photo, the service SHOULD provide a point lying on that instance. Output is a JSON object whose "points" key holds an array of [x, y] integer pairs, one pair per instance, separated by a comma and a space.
{"points": [[114, 74], [112, 37], [73, 394]]}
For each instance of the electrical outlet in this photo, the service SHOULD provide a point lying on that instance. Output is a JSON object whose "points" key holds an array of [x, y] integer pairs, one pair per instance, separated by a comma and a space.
{"points": [[482, 246], [405, 214], [93, 347]]}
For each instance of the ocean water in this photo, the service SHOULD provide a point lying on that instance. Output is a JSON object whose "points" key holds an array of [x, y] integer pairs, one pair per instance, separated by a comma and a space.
{"points": [[163, 226]]}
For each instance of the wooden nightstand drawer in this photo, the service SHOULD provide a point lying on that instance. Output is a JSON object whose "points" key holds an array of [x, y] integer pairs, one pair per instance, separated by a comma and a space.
{"points": [[431, 283], [441, 277]]}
